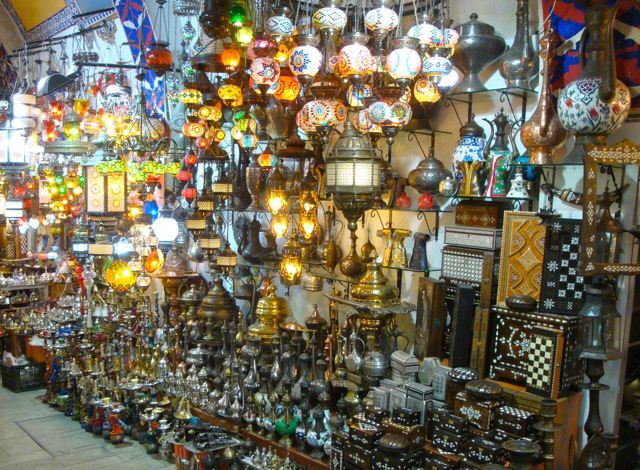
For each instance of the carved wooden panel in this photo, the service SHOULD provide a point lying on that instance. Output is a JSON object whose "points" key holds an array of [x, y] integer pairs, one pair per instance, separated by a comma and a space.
{"points": [[522, 255]]}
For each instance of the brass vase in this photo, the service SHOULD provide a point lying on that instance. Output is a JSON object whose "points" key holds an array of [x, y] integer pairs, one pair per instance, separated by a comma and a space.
{"points": [[329, 251], [543, 131]]}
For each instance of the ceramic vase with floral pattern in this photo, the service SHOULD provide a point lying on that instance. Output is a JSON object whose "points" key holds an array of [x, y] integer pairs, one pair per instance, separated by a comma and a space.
{"points": [[596, 104]]}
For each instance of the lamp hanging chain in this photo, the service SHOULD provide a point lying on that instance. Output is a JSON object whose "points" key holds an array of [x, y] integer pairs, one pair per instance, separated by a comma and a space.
{"points": [[161, 21], [399, 29]]}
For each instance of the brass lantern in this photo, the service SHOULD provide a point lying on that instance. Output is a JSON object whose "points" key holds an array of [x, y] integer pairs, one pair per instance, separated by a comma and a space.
{"points": [[353, 174], [291, 264], [271, 312], [276, 198]]}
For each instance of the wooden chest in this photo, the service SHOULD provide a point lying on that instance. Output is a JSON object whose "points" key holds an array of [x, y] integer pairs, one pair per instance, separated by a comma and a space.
{"points": [[514, 421], [537, 351], [480, 213], [482, 450], [399, 461], [449, 443], [479, 413]]}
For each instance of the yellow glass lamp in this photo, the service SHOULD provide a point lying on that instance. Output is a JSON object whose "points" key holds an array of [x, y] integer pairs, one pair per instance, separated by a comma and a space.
{"points": [[231, 95], [244, 35], [291, 264], [120, 276], [425, 91], [71, 126]]}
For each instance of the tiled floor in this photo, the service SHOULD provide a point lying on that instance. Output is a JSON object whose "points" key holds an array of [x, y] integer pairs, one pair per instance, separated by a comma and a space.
{"points": [[35, 436]]}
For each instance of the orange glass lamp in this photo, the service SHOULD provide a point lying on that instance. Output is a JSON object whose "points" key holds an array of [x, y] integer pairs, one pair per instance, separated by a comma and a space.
{"points": [[279, 225], [267, 159], [291, 264], [154, 261], [288, 89], [120, 276], [230, 59]]}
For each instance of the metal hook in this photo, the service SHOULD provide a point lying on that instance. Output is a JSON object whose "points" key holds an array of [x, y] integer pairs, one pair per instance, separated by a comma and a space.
{"points": [[375, 212], [412, 135]]}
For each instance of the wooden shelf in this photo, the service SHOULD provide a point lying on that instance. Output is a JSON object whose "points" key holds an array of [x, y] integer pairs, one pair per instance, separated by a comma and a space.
{"points": [[261, 441]]}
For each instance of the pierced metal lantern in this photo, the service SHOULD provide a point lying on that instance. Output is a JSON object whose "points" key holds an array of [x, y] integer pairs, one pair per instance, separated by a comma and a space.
{"points": [[600, 322], [353, 173]]}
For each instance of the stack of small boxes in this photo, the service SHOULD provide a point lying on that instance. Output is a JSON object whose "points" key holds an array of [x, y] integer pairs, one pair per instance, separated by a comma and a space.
{"points": [[478, 424]]}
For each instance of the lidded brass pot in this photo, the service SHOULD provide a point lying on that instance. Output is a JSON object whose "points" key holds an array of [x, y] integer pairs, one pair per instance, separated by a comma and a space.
{"points": [[218, 305], [271, 312], [373, 288]]}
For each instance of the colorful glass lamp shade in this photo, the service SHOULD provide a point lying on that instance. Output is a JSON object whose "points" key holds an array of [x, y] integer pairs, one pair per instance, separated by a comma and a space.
{"points": [[403, 62], [159, 57], [120, 277]]}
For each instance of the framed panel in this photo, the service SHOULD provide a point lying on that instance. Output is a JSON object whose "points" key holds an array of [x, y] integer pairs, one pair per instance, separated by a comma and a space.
{"points": [[620, 154], [116, 193], [522, 255], [106, 194]]}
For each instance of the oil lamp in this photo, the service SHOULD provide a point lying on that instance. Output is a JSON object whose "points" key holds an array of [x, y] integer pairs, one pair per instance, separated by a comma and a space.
{"points": [[244, 35], [154, 260], [291, 264], [71, 126], [80, 241], [237, 15], [267, 158], [354, 60], [308, 226], [231, 95], [189, 192], [437, 65], [288, 89], [425, 91]]}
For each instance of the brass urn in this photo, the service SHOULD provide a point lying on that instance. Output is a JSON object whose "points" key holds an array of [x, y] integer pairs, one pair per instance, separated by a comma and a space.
{"points": [[271, 312], [373, 288], [218, 305]]}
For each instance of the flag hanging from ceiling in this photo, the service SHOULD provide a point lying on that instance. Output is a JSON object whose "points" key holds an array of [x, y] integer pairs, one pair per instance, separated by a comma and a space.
{"points": [[139, 30], [568, 22]]}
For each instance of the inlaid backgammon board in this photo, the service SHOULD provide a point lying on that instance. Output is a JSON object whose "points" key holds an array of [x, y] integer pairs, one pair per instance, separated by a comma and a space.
{"points": [[562, 285]]}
